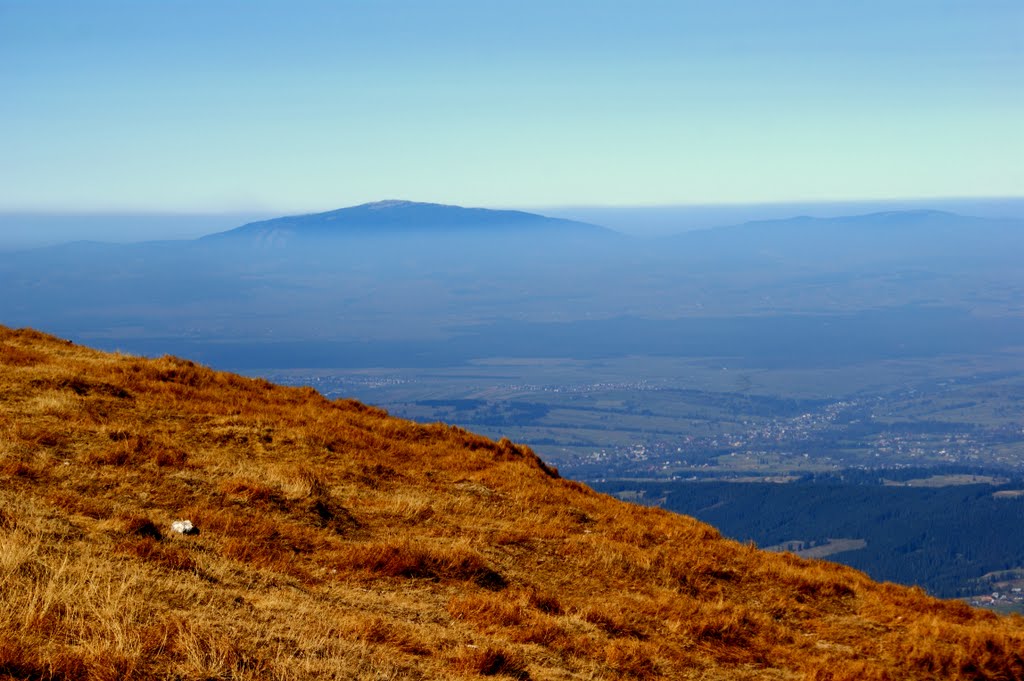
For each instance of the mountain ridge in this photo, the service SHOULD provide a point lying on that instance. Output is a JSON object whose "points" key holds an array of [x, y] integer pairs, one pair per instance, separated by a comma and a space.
{"points": [[891, 219], [336, 541], [393, 216], [883, 237]]}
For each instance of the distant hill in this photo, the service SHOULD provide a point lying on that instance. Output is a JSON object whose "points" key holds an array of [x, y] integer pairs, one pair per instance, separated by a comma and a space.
{"points": [[406, 218], [335, 541], [905, 236]]}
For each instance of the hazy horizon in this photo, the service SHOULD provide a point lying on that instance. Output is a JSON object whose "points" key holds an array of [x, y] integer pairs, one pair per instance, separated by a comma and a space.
{"points": [[37, 229]]}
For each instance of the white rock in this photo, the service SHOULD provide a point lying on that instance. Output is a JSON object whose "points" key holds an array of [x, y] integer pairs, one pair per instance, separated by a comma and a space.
{"points": [[183, 527]]}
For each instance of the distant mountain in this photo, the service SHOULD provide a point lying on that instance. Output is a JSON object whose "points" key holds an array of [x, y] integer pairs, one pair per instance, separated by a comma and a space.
{"points": [[886, 236], [406, 218], [887, 223], [426, 274]]}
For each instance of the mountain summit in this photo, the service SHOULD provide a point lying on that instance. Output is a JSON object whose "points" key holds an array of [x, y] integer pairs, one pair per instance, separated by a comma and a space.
{"points": [[330, 540], [406, 218]]}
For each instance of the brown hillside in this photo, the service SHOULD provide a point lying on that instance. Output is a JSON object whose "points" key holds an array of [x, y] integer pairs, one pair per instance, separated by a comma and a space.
{"points": [[338, 542]]}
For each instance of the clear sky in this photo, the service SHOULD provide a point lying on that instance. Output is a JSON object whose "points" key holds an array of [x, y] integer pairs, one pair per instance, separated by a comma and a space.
{"points": [[246, 105]]}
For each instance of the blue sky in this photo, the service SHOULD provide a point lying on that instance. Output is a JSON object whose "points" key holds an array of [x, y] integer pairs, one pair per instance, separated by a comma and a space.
{"points": [[210, 105]]}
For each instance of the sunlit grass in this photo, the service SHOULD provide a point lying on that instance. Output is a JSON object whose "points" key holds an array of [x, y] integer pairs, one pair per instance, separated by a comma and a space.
{"points": [[337, 542]]}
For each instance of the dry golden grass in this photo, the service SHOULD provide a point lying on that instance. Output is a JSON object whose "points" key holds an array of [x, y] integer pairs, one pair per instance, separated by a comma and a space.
{"points": [[337, 542]]}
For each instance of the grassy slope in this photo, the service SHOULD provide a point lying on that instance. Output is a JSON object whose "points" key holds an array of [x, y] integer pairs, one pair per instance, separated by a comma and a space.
{"points": [[337, 542]]}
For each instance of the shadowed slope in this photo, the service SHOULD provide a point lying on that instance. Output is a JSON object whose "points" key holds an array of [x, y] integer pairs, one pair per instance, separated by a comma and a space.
{"points": [[338, 542]]}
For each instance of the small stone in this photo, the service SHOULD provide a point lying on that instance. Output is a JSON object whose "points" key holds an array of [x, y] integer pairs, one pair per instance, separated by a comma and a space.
{"points": [[184, 527]]}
